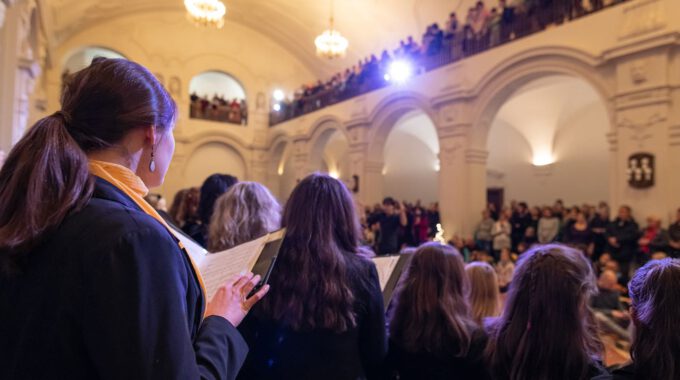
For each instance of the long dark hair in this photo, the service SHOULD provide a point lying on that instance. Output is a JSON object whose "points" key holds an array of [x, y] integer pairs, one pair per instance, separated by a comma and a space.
{"points": [[432, 313], [311, 284], [655, 292], [46, 175], [546, 330], [213, 187]]}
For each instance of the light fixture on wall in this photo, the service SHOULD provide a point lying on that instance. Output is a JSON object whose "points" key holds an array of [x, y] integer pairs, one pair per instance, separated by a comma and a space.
{"points": [[206, 13], [331, 44], [543, 159]]}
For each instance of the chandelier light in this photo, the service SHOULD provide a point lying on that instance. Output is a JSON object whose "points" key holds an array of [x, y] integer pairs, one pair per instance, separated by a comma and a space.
{"points": [[206, 13], [331, 44]]}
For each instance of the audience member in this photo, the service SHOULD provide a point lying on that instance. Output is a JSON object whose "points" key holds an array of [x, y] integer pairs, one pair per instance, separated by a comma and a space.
{"points": [[545, 331], [324, 316], [388, 225], [501, 234], [579, 235], [484, 231], [674, 237], [505, 269], [432, 333], [244, 213], [213, 187], [484, 296], [622, 238], [609, 311], [653, 238], [548, 227]]}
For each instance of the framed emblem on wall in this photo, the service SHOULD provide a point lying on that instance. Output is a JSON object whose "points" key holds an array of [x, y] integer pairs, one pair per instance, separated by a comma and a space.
{"points": [[641, 170]]}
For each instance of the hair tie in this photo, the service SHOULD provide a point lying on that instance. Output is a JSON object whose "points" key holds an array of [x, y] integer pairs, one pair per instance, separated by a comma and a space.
{"points": [[65, 116]]}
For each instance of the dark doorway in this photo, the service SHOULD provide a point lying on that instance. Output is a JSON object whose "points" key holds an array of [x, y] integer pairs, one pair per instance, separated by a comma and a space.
{"points": [[495, 195]]}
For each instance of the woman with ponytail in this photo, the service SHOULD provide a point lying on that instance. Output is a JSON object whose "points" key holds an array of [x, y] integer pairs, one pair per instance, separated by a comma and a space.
{"points": [[93, 283], [655, 294]]}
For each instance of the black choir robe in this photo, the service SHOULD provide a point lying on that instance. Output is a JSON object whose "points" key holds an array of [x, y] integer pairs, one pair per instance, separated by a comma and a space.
{"points": [[110, 295]]}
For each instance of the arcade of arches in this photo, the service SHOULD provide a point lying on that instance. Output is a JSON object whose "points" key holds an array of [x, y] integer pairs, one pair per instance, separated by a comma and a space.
{"points": [[552, 115]]}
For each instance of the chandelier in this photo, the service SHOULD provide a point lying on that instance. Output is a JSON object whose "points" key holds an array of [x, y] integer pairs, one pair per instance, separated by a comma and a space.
{"points": [[331, 44], [206, 13]]}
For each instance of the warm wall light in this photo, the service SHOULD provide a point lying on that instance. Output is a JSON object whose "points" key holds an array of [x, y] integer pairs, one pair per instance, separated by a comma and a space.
{"points": [[334, 174], [278, 95], [543, 159]]}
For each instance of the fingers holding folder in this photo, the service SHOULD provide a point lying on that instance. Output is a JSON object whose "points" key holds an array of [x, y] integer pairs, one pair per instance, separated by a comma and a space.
{"points": [[230, 300]]}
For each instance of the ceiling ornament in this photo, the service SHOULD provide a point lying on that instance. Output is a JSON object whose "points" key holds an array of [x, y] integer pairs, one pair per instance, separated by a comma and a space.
{"points": [[206, 13], [331, 44]]}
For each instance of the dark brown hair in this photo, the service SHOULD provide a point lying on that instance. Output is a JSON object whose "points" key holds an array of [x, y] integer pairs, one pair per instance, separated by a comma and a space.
{"points": [[432, 313], [311, 285], [546, 330], [46, 174], [655, 294]]}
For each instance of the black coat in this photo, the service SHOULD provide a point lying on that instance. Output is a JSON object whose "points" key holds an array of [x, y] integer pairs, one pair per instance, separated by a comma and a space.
{"points": [[110, 295], [404, 365], [627, 234], [278, 352]]}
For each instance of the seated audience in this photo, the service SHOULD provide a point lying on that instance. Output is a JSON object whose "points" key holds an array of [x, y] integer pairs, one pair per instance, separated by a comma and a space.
{"points": [[324, 318], [654, 310], [432, 333], [484, 296], [546, 330], [244, 213], [213, 187], [505, 268], [609, 311], [184, 209]]}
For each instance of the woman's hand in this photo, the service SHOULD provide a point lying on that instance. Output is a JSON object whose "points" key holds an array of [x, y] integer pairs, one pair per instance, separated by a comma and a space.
{"points": [[230, 303]]}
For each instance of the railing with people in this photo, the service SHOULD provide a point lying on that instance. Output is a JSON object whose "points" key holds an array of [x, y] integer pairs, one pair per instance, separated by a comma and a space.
{"points": [[482, 30]]}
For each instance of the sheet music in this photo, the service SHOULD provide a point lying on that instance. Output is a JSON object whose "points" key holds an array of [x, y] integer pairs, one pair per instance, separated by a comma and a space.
{"points": [[385, 266], [217, 268], [196, 252]]}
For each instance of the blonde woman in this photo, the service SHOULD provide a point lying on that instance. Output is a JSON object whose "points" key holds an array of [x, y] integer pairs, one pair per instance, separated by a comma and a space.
{"points": [[484, 296], [246, 212]]}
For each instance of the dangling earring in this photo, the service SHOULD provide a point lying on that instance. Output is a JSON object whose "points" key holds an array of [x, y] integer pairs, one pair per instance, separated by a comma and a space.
{"points": [[152, 164]]}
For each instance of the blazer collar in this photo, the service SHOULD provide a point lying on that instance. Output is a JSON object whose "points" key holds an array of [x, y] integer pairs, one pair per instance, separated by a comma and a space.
{"points": [[104, 189]]}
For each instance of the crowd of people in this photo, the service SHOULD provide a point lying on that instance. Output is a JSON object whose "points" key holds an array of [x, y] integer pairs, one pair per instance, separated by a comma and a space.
{"points": [[96, 283], [482, 28], [459, 307], [219, 108]]}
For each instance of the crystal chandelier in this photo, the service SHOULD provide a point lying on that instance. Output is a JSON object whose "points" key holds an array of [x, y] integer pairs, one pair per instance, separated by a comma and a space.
{"points": [[331, 44], [207, 13]]}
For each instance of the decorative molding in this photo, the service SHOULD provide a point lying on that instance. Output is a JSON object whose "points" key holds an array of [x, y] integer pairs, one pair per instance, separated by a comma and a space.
{"points": [[643, 98], [639, 129], [613, 140], [641, 18], [476, 156], [638, 71], [674, 135]]}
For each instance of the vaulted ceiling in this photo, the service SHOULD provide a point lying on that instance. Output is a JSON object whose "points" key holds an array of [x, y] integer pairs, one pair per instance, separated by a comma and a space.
{"points": [[370, 25]]}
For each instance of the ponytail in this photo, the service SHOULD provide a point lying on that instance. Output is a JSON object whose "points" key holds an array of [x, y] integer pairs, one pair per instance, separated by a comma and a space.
{"points": [[46, 175], [44, 178]]}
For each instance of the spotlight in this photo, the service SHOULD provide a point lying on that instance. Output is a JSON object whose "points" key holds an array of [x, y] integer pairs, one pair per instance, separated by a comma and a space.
{"points": [[278, 95], [277, 107], [399, 72]]}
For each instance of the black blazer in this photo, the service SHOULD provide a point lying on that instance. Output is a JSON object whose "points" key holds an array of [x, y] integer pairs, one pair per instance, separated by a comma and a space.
{"points": [[277, 352], [405, 365], [110, 295]]}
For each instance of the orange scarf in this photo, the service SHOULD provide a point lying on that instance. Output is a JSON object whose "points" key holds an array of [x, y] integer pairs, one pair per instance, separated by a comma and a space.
{"points": [[133, 186]]}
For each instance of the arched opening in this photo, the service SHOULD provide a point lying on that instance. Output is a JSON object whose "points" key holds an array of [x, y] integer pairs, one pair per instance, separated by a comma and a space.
{"points": [[547, 141], [211, 158], [281, 172], [217, 96], [411, 163], [83, 57], [330, 154]]}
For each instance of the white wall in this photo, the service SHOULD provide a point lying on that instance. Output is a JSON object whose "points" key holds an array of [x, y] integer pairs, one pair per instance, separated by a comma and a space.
{"points": [[213, 158], [580, 173], [410, 160]]}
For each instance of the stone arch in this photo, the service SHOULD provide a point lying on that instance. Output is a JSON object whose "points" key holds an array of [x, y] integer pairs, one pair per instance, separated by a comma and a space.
{"points": [[387, 113], [499, 84], [201, 140], [320, 133]]}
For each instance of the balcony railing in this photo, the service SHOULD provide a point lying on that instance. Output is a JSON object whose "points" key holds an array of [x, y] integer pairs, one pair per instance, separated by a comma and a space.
{"points": [[442, 49]]}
